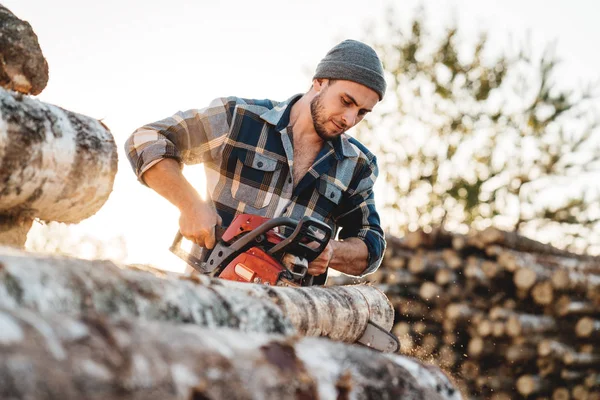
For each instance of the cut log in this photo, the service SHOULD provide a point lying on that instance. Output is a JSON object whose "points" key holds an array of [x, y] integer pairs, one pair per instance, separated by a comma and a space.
{"points": [[73, 286], [58, 357], [452, 259], [580, 282], [531, 384], [23, 68], [561, 393], [445, 276], [588, 328], [554, 348], [520, 353], [578, 360], [527, 276], [55, 165], [543, 293], [565, 306], [427, 264], [436, 239], [527, 324]]}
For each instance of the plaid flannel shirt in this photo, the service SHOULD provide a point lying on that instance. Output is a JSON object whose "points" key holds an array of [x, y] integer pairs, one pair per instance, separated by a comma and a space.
{"points": [[248, 155]]}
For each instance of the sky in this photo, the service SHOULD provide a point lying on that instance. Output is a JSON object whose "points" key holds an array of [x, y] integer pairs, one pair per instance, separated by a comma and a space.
{"points": [[131, 62]]}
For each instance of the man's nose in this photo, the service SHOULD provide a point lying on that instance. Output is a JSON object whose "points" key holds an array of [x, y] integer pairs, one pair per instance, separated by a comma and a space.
{"points": [[349, 118]]}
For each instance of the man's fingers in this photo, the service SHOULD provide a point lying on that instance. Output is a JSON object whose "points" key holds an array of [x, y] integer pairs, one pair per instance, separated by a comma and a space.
{"points": [[209, 239]]}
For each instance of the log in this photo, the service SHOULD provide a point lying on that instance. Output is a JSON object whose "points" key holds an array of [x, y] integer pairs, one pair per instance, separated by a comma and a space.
{"points": [[14, 229], [427, 264], [566, 306], [59, 357], [478, 347], [579, 360], [527, 324], [445, 276], [461, 312], [587, 328], [543, 293], [527, 276], [435, 239], [73, 286], [561, 393], [520, 353], [452, 258], [531, 384], [554, 348], [515, 241], [491, 269], [469, 370], [576, 281], [592, 380], [56, 165], [23, 68]]}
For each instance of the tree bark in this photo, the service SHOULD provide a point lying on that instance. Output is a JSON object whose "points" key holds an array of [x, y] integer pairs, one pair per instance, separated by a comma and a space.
{"points": [[13, 230], [23, 67], [73, 286], [54, 164], [51, 356]]}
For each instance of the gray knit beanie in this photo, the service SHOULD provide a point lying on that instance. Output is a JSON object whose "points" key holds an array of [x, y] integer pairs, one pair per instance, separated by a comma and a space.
{"points": [[353, 61]]}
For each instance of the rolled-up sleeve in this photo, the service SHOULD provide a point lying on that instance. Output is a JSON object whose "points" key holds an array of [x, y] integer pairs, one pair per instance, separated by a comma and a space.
{"points": [[359, 218], [190, 137]]}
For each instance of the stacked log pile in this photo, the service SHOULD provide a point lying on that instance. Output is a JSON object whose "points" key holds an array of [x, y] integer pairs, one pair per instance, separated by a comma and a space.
{"points": [[509, 317]]}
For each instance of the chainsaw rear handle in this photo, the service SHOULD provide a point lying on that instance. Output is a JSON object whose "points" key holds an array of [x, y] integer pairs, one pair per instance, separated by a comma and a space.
{"points": [[198, 255]]}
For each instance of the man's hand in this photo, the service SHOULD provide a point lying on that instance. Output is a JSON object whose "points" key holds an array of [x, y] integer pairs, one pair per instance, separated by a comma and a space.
{"points": [[319, 265], [197, 223], [198, 217]]}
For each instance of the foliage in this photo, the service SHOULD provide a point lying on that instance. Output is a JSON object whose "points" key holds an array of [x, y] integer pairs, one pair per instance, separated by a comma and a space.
{"points": [[468, 138]]}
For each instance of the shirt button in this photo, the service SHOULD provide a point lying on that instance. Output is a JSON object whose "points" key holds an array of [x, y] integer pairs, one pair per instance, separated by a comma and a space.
{"points": [[284, 210], [332, 195], [260, 163], [290, 179]]}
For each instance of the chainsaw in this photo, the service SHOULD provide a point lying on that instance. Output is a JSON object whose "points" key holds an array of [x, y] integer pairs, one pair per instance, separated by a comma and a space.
{"points": [[256, 249]]}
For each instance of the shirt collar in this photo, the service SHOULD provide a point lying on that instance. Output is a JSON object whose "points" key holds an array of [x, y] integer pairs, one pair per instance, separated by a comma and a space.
{"points": [[279, 116]]}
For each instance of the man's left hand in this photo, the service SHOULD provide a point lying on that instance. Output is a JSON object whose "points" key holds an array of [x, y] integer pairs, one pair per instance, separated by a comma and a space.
{"points": [[319, 265]]}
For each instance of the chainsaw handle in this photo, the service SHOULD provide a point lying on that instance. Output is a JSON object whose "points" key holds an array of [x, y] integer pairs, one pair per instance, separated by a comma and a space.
{"points": [[198, 255], [305, 229]]}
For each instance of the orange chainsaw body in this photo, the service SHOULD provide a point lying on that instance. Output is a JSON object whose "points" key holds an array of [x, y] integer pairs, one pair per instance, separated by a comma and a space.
{"points": [[253, 249], [253, 266]]}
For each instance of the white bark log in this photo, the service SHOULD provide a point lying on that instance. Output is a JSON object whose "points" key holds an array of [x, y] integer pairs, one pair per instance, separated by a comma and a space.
{"points": [[54, 164], [73, 286], [23, 67], [58, 357]]}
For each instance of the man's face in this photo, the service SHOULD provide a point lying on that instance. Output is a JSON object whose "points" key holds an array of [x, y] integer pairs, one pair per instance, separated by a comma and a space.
{"points": [[340, 105]]}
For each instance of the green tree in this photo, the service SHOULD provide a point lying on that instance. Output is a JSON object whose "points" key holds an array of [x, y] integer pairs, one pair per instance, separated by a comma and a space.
{"points": [[469, 138]]}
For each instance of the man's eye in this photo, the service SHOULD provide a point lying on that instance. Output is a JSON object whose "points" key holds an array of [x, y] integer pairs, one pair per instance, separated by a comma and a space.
{"points": [[344, 102]]}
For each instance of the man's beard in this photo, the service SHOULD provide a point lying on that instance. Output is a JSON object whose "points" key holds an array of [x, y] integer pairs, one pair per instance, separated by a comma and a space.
{"points": [[319, 118]]}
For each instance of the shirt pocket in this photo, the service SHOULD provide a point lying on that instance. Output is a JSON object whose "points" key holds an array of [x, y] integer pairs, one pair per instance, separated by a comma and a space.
{"points": [[255, 180], [330, 194]]}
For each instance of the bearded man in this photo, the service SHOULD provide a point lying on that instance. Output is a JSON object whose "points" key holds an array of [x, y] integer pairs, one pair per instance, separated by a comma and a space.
{"points": [[270, 158]]}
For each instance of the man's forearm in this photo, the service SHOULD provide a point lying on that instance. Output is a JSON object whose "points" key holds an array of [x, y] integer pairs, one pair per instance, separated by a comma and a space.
{"points": [[166, 179], [350, 256]]}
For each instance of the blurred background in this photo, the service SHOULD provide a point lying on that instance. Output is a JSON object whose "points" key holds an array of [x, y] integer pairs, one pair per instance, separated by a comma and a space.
{"points": [[491, 115]]}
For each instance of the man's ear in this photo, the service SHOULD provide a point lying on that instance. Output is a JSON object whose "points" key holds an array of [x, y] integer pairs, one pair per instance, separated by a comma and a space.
{"points": [[318, 84]]}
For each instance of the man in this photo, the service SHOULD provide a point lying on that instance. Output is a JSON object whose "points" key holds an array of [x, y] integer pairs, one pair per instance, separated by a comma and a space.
{"points": [[274, 159]]}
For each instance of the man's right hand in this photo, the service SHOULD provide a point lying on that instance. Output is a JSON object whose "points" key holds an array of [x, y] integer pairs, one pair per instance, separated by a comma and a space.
{"points": [[198, 217], [197, 223]]}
